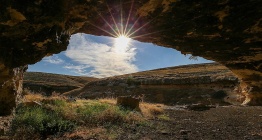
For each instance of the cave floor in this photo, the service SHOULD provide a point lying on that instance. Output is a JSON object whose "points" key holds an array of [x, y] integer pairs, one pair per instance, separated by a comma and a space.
{"points": [[221, 123]]}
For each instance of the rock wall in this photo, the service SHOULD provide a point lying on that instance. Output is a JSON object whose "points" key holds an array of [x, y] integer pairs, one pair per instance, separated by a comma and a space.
{"points": [[11, 85], [226, 31]]}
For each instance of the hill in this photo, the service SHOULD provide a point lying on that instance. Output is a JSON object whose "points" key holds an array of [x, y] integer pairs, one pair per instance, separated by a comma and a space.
{"points": [[47, 83], [209, 83]]}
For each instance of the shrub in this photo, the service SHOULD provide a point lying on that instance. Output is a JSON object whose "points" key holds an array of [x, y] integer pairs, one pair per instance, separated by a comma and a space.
{"points": [[33, 97], [151, 110], [55, 102], [97, 113], [132, 81], [57, 116], [39, 120]]}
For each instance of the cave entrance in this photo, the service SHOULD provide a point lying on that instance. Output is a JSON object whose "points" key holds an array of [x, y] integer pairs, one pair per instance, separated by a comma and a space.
{"points": [[30, 30], [101, 56]]}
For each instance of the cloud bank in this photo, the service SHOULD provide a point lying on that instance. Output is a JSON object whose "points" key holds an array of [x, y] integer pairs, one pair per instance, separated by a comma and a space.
{"points": [[103, 60], [53, 60]]}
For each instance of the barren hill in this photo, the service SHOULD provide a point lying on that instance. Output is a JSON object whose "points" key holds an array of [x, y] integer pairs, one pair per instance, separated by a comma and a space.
{"points": [[48, 83], [209, 83]]}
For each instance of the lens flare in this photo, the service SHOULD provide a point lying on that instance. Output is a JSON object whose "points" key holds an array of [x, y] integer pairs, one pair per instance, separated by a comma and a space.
{"points": [[124, 28]]}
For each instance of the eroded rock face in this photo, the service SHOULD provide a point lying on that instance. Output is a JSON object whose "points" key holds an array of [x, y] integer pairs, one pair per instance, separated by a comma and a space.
{"points": [[11, 83], [226, 31]]}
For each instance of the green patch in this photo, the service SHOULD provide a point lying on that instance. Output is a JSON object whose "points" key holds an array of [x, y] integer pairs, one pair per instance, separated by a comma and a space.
{"points": [[132, 81], [102, 113], [92, 109], [56, 102], [57, 116], [40, 120], [163, 117]]}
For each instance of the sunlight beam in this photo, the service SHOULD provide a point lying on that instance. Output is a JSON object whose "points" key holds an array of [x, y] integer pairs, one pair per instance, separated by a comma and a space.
{"points": [[132, 26], [141, 27], [108, 24], [129, 16], [138, 36], [113, 20], [121, 17], [103, 30], [123, 33]]}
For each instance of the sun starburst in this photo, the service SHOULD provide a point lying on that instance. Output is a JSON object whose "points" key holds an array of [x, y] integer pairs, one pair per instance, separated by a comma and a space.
{"points": [[124, 29]]}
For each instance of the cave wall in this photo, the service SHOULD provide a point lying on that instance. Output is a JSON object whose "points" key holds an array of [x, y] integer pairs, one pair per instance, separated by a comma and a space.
{"points": [[11, 87], [226, 31]]}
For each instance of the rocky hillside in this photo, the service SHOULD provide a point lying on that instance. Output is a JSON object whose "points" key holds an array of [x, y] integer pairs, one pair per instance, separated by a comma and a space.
{"points": [[209, 83], [47, 83]]}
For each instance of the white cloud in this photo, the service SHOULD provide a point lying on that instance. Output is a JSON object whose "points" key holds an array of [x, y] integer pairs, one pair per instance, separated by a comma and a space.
{"points": [[104, 60], [79, 69], [53, 60]]}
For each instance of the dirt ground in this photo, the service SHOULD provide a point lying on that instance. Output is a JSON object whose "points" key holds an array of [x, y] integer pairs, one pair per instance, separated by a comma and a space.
{"points": [[221, 123], [4, 126]]}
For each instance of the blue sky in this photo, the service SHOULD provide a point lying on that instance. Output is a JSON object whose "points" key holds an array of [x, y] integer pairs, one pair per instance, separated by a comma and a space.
{"points": [[98, 56]]}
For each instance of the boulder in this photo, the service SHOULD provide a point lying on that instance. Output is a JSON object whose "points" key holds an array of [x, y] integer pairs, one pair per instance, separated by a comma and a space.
{"points": [[128, 102]]}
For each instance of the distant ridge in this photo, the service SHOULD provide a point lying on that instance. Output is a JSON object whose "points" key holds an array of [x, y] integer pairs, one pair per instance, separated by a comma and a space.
{"points": [[186, 66], [48, 82], [172, 85]]}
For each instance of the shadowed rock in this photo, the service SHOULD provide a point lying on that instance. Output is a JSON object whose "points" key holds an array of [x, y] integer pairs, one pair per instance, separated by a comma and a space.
{"points": [[128, 102]]}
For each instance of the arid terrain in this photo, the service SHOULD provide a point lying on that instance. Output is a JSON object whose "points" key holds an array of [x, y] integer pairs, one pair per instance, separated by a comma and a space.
{"points": [[158, 123], [47, 83], [180, 103], [209, 83]]}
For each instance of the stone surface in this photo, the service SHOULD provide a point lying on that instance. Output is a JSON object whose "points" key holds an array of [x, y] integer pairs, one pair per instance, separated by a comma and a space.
{"points": [[226, 31], [11, 84], [128, 102], [5, 123]]}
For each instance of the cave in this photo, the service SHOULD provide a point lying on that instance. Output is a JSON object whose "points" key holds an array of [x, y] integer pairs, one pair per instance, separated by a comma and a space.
{"points": [[225, 31]]}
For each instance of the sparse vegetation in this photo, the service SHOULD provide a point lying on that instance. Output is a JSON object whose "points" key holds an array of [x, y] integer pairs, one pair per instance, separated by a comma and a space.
{"points": [[50, 84], [58, 117], [151, 110], [132, 81], [43, 122]]}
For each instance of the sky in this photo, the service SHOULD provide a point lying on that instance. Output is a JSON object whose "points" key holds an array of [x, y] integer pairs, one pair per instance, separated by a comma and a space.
{"points": [[100, 56]]}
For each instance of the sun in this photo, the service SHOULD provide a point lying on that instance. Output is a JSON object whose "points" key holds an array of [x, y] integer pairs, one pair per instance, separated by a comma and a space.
{"points": [[122, 40], [121, 43]]}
